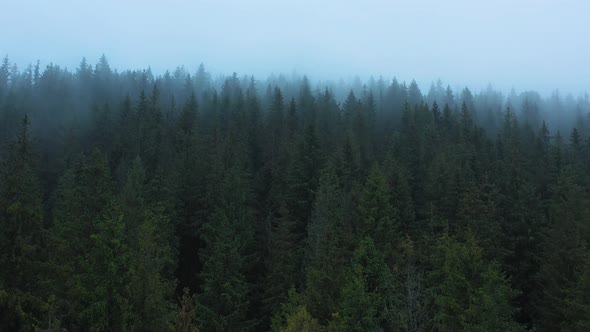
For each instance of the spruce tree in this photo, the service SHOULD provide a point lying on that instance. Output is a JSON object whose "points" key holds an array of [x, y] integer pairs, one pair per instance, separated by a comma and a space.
{"points": [[370, 301], [83, 203], [282, 263], [563, 253], [21, 229], [376, 215], [470, 293], [328, 249], [224, 301], [151, 263], [105, 275]]}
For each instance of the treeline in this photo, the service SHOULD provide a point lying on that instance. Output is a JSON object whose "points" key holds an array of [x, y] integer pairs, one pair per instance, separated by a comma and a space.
{"points": [[186, 203]]}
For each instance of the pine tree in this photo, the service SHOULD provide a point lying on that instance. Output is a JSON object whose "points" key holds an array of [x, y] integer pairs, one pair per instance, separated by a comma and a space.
{"points": [[126, 138], [349, 163], [293, 316], [575, 146], [563, 251], [21, 229], [466, 119], [151, 260], [150, 129], [401, 196], [185, 315], [102, 133], [105, 276], [190, 170], [302, 178], [301, 321], [276, 119], [282, 263], [350, 108], [436, 114], [84, 202], [476, 215], [471, 294], [448, 121], [328, 249], [292, 119], [307, 104], [376, 215], [224, 301], [414, 94], [519, 212], [576, 308], [4, 77], [369, 300]]}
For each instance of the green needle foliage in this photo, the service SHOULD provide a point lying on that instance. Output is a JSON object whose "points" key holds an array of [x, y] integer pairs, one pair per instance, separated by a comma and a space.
{"points": [[131, 201]]}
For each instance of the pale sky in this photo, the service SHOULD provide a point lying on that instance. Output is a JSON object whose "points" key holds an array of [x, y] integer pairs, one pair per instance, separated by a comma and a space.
{"points": [[526, 44]]}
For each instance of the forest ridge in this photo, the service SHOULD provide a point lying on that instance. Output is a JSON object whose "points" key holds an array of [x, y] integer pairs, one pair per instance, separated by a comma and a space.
{"points": [[182, 202]]}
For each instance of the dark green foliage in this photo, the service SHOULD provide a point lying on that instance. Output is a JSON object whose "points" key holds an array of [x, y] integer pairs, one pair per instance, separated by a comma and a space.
{"points": [[302, 178], [376, 217], [328, 248], [21, 209], [282, 262], [576, 309], [151, 263], [190, 170], [191, 203], [224, 300], [21, 230], [293, 316], [185, 315], [105, 304], [564, 253], [370, 299], [223, 303], [470, 293], [85, 219]]}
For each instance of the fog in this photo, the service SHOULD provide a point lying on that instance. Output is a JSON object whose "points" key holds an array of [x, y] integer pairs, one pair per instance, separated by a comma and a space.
{"points": [[526, 45], [283, 166]]}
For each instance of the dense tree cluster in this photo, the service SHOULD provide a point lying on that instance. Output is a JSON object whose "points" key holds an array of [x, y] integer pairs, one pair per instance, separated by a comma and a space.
{"points": [[186, 203]]}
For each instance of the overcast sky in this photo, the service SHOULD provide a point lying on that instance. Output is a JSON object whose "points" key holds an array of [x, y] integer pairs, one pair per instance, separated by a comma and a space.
{"points": [[526, 44]]}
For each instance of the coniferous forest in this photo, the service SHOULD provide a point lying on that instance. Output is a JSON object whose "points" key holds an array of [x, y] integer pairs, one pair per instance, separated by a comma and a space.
{"points": [[184, 202]]}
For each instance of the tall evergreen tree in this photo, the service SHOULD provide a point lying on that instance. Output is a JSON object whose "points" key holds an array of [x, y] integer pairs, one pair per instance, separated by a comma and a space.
{"points": [[564, 252], [328, 249], [224, 300], [21, 229], [282, 262], [105, 275], [84, 202], [369, 300], [376, 215], [151, 256], [471, 294]]}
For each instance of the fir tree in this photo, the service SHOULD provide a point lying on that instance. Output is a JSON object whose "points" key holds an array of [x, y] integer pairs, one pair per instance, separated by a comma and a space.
{"points": [[21, 229], [328, 249], [471, 294], [369, 300]]}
